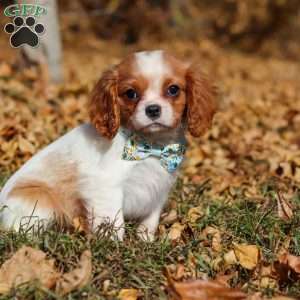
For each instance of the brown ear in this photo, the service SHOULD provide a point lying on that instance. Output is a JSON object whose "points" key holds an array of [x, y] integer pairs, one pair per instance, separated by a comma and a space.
{"points": [[104, 106], [201, 104]]}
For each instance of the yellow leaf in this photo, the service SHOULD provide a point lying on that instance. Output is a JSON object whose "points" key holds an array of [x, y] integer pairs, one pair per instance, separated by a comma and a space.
{"points": [[247, 255], [128, 294]]}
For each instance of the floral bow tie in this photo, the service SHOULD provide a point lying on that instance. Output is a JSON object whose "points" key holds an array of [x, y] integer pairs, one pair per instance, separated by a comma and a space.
{"points": [[170, 156]]}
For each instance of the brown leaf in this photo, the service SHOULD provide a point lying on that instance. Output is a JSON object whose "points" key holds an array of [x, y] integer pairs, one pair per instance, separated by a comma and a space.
{"points": [[202, 290], [78, 277], [230, 258], [5, 70], [25, 146], [285, 211], [216, 237], [79, 224], [175, 231], [25, 265], [170, 218], [195, 213], [180, 270], [287, 268], [247, 255]]}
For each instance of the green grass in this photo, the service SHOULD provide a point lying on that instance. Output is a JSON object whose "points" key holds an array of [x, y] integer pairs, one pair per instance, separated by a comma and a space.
{"points": [[140, 265]]}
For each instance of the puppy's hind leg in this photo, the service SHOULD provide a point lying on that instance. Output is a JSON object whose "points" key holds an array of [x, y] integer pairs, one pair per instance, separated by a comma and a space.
{"points": [[30, 203]]}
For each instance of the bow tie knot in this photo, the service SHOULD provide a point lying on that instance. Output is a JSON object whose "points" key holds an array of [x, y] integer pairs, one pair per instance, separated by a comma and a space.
{"points": [[170, 155]]}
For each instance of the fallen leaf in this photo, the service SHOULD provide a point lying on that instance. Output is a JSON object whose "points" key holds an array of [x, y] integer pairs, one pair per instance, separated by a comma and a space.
{"points": [[25, 146], [195, 213], [79, 224], [216, 237], [230, 258], [180, 269], [128, 294], [255, 296], [247, 255], [25, 265], [285, 211], [175, 231], [170, 218], [5, 70], [29, 264], [224, 279], [77, 278], [266, 279], [202, 290], [287, 268]]}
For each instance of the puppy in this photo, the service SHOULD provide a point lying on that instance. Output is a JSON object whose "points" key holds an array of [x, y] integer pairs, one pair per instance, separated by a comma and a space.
{"points": [[123, 164]]}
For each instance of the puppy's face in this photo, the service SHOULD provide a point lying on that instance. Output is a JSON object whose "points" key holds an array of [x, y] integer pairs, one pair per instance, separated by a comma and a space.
{"points": [[152, 92]]}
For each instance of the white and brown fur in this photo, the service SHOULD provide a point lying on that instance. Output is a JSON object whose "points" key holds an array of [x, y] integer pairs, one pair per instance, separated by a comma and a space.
{"points": [[82, 173]]}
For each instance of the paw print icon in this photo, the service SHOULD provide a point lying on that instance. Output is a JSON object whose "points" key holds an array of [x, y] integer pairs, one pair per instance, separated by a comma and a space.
{"points": [[24, 31]]}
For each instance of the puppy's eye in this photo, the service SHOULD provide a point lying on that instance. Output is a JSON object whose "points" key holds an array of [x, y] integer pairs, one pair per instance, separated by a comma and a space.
{"points": [[173, 90], [132, 94]]}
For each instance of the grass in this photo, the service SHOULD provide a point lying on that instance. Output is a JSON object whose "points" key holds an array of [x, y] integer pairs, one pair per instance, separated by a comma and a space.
{"points": [[140, 265]]}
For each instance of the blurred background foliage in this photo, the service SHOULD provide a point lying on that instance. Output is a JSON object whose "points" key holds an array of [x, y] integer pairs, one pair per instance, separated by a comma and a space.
{"points": [[265, 26]]}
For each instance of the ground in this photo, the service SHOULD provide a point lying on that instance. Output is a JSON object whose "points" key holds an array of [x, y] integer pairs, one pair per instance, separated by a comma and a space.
{"points": [[239, 185]]}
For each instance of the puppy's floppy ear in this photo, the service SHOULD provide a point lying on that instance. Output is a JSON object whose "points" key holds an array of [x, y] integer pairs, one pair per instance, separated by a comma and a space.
{"points": [[104, 106], [201, 105]]}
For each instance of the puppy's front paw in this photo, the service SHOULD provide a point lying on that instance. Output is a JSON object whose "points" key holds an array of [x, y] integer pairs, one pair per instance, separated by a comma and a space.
{"points": [[145, 234]]}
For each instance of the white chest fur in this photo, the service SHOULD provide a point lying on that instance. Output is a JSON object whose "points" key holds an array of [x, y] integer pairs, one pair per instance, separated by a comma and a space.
{"points": [[146, 188]]}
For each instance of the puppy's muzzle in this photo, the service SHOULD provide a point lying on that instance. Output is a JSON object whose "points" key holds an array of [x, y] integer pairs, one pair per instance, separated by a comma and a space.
{"points": [[153, 111]]}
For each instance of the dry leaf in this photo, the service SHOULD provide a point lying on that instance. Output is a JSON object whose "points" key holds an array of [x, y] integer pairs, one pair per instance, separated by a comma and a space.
{"points": [[25, 146], [175, 231], [285, 211], [180, 269], [29, 264], [255, 296], [5, 70], [78, 277], [79, 224], [128, 294], [216, 237], [247, 255], [230, 258], [170, 218], [202, 290], [25, 265], [195, 213], [287, 268]]}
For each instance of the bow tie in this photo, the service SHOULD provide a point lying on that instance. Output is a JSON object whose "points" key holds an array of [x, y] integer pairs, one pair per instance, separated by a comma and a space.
{"points": [[171, 156]]}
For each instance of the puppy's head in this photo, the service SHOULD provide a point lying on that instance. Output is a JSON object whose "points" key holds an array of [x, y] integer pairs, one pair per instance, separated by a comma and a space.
{"points": [[152, 92]]}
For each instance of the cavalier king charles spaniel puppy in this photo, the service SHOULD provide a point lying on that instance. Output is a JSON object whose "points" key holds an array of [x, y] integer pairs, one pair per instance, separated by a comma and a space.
{"points": [[122, 165]]}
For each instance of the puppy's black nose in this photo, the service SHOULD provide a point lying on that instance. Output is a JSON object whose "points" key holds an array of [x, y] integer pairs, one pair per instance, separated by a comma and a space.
{"points": [[153, 111]]}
